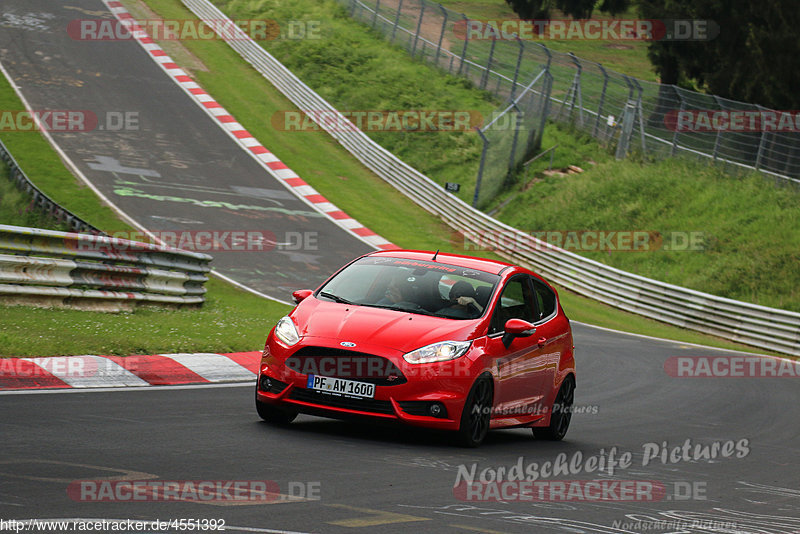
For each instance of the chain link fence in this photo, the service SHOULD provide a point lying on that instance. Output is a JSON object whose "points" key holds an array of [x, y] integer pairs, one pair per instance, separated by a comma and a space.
{"points": [[622, 112]]}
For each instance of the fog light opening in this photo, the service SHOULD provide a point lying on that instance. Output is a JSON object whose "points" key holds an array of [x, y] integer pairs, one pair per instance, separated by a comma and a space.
{"points": [[436, 409]]}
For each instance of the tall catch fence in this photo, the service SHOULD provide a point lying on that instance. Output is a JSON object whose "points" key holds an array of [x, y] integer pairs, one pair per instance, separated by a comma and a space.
{"points": [[622, 112]]}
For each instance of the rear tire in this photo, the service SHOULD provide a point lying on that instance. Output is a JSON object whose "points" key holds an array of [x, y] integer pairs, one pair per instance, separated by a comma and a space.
{"points": [[477, 414], [560, 415], [273, 414]]}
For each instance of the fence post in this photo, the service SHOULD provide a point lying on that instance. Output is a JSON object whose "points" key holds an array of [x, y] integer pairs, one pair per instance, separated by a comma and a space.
{"points": [[517, 124], [577, 93], [480, 167], [396, 19], [719, 132], [516, 69], [641, 114], [419, 25], [485, 77], [602, 101], [353, 4], [761, 144], [375, 13], [441, 35], [677, 129], [464, 48]]}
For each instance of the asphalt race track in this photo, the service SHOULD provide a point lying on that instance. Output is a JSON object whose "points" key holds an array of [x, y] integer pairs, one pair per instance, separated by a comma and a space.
{"points": [[59, 449], [364, 478], [169, 156]]}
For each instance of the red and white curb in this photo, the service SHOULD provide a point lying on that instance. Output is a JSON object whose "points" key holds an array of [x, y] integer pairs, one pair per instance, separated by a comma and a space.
{"points": [[127, 371], [245, 139]]}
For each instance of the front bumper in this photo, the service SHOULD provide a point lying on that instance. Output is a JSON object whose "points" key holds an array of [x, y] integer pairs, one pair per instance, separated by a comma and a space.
{"points": [[444, 385]]}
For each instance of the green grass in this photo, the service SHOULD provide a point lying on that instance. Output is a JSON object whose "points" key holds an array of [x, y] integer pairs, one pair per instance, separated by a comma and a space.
{"points": [[44, 167], [16, 207], [231, 320]]}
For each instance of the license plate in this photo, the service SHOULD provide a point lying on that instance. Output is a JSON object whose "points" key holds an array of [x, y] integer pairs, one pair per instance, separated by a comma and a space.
{"points": [[340, 386]]}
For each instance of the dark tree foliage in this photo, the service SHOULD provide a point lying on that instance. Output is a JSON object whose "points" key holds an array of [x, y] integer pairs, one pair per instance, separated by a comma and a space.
{"points": [[577, 9], [755, 58]]}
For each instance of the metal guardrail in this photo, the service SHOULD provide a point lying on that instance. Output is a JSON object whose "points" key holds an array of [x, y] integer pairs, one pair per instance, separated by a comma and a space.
{"points": [[42, 201], [751, 324], [96, 271]]}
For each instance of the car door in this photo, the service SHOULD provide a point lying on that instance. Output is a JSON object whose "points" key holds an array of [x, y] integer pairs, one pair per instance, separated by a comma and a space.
{"points": [[519, 368], [550, 336]]}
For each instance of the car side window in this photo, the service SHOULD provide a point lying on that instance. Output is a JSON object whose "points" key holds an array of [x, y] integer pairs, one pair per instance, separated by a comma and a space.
{"points": [[516, 302], [545, 300]]}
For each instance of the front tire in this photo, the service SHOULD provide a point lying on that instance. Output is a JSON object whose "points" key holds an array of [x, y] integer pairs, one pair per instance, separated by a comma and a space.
{"points": [[561, 414], [273, 414], [477, 413]]}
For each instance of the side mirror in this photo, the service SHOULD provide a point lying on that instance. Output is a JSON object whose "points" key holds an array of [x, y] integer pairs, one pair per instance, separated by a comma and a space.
{"points": [[517, 328], [300, 295]]}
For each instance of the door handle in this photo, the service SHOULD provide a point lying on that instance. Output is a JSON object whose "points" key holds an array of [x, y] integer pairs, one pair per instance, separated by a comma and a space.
{"points": [[541, 341]]}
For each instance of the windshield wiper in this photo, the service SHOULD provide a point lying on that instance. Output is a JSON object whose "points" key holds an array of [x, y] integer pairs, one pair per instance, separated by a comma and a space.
{"points": [[335, 298]]}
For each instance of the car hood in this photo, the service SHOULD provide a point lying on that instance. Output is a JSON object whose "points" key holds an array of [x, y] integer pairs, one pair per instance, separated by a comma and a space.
{"points": [[376, 326]]}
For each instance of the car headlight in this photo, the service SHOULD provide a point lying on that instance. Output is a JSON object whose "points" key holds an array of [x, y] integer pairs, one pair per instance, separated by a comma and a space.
{"points": [[438, 352], [286, 331]]}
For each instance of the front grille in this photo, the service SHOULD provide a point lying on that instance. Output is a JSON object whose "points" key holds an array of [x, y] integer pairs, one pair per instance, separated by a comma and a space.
{"points": [[351, 365], [326, 399]]}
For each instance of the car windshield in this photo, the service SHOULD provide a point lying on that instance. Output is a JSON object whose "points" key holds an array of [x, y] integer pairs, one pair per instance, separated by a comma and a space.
{"points": [[415, 286]]}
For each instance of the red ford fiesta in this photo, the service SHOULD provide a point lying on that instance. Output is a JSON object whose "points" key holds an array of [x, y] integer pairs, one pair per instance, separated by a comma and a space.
{"points": [[428, 339]]}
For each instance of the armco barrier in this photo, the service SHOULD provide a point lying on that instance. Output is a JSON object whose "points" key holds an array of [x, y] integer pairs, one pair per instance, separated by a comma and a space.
{"points": [[41, 201], [758, 326], [86, 270]]}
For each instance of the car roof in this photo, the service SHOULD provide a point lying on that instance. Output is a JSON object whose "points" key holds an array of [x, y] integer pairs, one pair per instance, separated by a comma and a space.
{"points": [[469, 262]]}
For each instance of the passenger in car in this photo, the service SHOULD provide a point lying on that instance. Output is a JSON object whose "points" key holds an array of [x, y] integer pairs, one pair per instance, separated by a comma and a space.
{"points": [[463, 302]]}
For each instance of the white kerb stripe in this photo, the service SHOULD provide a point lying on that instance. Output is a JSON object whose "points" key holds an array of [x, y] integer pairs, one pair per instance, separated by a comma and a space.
{"points": [[349, 223], [212, 367], [88, 371], [249, 142], [326, 207], [285, 174], [305, 190]]}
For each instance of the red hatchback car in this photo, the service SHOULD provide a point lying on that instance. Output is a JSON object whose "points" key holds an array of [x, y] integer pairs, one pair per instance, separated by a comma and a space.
{"points": [[434, 340]]}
